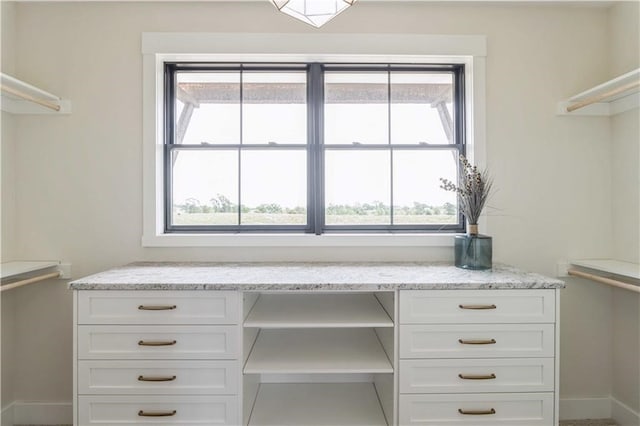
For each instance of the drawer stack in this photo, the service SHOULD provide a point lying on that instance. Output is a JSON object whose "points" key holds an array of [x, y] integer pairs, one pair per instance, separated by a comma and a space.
{"points": [[474, 357], [158, 357]]}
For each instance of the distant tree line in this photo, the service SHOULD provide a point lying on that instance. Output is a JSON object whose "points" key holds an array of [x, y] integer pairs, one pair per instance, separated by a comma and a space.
{"points": [[222, 204]]}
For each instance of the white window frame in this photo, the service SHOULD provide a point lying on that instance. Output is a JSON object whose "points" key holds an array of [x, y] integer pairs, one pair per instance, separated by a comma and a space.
{"points": [[158, 48]]}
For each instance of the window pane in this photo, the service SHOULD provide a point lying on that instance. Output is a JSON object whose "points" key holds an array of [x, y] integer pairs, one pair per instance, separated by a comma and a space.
{"points": [[274, 107], [274, 187], [207, 108], [357, 187], [356, 108], [421, 108], [417, 196], [205, 187]]}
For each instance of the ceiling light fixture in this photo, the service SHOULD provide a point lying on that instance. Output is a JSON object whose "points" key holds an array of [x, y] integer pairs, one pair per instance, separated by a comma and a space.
{"points": [[312, 12]]}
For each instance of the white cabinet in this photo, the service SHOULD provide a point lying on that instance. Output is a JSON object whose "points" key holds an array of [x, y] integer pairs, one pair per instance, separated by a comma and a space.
{"points": [[469, 307], [157, 357], [158, 307], [477, 375], [495, 409], [158, 377], [478, 357], [476, 340], [389, 357], [107, 410], [157, 342]]}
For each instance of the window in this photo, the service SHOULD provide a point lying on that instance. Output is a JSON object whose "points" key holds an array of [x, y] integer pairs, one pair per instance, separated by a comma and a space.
{"points": [[312, 148]]}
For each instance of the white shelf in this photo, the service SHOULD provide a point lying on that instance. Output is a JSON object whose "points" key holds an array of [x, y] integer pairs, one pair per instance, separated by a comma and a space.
{"points": [[317, 311], [10, 270], [19, 97], [610, 266], [611, 99], [318, 404], [326, 351]]}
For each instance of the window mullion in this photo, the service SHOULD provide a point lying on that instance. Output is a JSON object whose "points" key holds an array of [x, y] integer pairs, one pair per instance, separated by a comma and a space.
{"points": [[240, 152], [390, 146], [315, 104]]}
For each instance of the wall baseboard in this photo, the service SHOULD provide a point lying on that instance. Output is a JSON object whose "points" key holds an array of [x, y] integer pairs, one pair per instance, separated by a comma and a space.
{"points": [[38, 412], [6, 417], [623, 414], [585, 408]]}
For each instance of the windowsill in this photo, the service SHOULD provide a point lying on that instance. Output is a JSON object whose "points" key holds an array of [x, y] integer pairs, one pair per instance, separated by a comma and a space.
{"points": [[304, 240]]}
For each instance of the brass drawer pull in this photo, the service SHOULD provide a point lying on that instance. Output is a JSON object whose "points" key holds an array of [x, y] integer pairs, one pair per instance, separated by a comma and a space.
{"points": [[477, 377], [477, 306], [159, 343], [157, 307], [156, 379], [477, 342], [143, 413], [476, 412]]}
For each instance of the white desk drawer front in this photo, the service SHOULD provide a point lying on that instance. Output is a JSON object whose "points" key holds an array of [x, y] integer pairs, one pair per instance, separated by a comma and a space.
{"points": [[154, 342], [158, 377], [474, 306], [157, 307], [476, 375], [477, 341], [524, 409], [158, 410]]}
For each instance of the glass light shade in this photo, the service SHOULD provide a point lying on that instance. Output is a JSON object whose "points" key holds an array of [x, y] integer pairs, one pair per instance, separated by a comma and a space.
{"points": [[313, 12]]}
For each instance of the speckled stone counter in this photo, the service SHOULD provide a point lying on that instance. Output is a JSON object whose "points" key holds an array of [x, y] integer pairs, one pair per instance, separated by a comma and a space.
{"points": [[309, 276]]}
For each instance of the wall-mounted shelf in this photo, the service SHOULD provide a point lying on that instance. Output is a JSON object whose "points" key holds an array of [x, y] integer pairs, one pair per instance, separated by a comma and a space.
{"points": [[19, 97], [20, 273], [613, 97], [608, 271]]}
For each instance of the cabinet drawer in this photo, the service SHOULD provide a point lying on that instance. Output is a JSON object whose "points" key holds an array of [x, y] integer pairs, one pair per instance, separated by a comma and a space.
{"points": [[157, 342], [177, 410], [513, 409], [477, 341], [476, 375], [158, 377], [474, 306], [157, 307]]}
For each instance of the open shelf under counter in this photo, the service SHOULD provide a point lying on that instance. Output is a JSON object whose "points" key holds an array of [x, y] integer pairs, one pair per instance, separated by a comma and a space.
{"points": [[322, 351], [318, 311], [317, 404]]}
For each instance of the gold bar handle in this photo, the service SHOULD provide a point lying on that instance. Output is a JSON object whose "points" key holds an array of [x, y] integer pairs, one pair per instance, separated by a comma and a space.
{"points": [[477, 342], [156, 379], [143, 413], [157, 307], [157, 343], [477, 377], [477, 306], [476, 412]]}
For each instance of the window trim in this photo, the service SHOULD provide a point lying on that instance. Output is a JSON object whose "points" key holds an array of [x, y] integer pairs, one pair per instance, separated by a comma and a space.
{"points": [[158, 48]]}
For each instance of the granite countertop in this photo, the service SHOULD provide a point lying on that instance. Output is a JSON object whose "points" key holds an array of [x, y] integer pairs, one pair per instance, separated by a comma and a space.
{"points": [[309, 276]]}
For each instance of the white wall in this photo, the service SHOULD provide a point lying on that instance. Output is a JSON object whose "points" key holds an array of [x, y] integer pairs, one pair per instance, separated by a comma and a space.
{"points": [[625, 145], [7, 210], [79, 183]]}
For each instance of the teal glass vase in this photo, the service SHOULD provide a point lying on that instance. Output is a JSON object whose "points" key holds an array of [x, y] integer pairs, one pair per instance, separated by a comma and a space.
{"points": [[473, 251]]}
